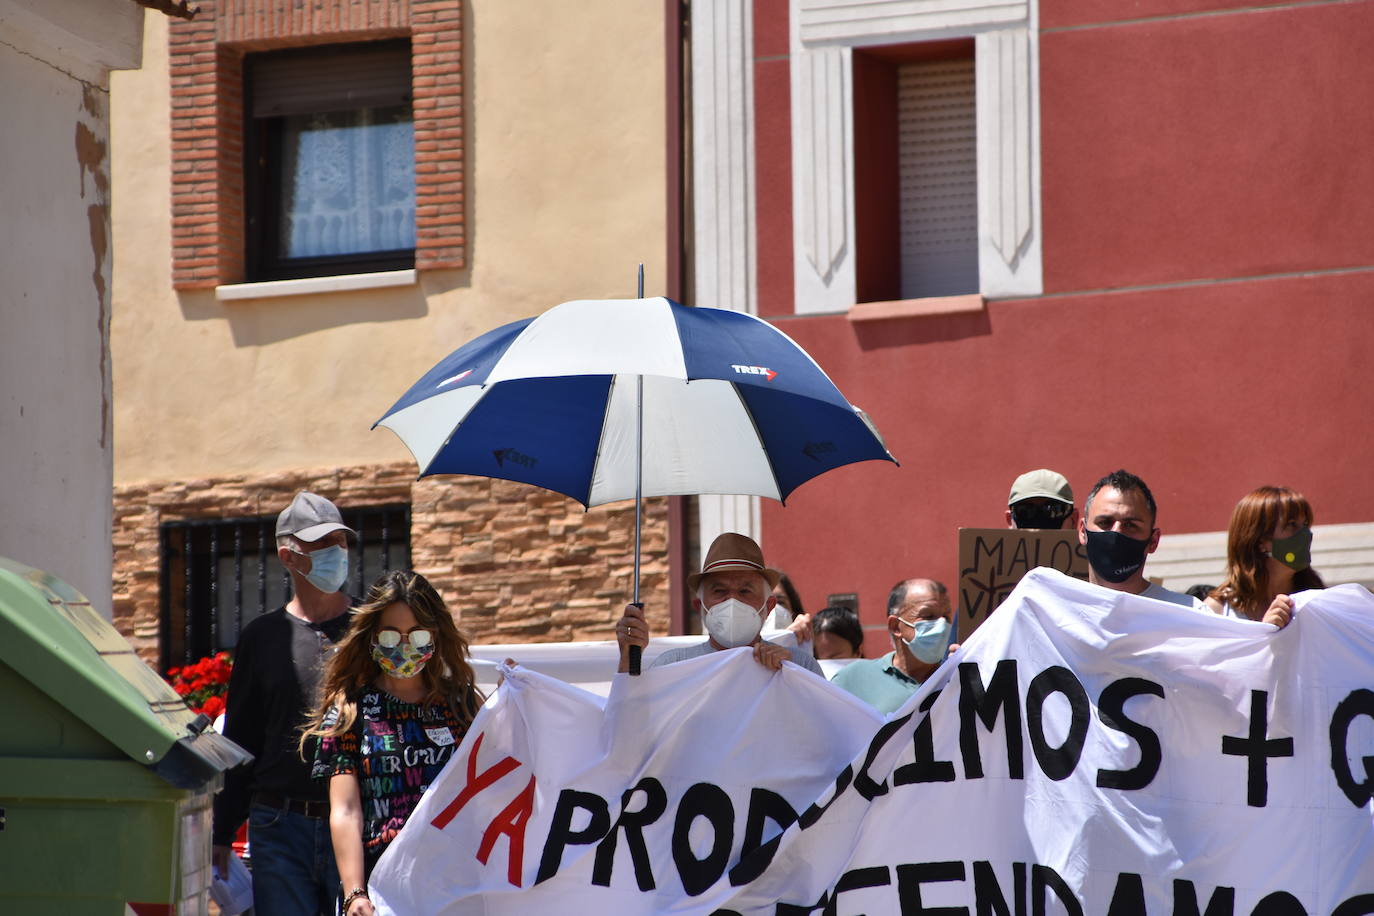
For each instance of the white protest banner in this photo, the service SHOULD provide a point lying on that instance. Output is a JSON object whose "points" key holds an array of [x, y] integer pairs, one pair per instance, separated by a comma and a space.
{"points": [[1086, 752]]}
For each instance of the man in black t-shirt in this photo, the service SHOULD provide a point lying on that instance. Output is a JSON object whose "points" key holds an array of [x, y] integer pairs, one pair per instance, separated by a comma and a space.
{"points": [[277, 666]]}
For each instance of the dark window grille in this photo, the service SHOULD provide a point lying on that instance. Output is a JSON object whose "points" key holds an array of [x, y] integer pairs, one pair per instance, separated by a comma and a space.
{"points": [[220, 574]]}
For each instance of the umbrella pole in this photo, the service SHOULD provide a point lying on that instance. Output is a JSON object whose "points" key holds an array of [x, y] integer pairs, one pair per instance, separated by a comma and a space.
{"points": [[635, 652]]}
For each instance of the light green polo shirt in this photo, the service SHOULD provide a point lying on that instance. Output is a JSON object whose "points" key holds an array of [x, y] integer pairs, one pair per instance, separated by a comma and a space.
{"points": [[877, 682]]}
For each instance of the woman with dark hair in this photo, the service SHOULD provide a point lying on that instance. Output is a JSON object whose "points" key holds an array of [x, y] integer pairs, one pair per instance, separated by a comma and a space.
{"points": [[836, 633], [787, 596], [1268, 556], [788, 613], [396, 699]]}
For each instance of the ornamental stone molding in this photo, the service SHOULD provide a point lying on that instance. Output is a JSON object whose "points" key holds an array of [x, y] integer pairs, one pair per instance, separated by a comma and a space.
{"points": [[723, 196], [824, 32]]}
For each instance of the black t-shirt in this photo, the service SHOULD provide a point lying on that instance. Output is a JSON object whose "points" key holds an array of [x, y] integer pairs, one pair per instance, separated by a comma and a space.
{"points": [[272, 691], [395, 749]]}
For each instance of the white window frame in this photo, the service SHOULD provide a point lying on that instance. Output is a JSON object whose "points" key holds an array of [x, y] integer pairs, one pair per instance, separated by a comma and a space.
{"points": [[1006, 47]]}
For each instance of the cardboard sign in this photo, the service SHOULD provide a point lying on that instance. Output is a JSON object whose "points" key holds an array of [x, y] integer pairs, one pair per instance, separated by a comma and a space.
{"points": [[993, 560]]}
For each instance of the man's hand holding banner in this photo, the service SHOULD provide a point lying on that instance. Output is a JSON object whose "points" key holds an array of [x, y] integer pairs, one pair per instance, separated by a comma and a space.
{"points": [[1086, 752]]}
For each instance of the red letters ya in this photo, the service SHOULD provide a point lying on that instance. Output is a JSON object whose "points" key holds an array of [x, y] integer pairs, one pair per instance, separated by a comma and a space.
{"points": [[512, 819]]}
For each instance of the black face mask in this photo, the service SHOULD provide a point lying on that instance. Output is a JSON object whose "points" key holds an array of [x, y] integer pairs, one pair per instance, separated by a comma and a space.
{"points": [[1294, 551], [1114, 556], [1042, 516]]}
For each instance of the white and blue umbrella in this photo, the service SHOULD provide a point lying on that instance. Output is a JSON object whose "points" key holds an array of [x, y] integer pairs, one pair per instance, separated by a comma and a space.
{"points": [[730, 405]]}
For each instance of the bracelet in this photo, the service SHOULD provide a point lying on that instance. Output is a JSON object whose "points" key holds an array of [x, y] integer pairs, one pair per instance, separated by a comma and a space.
{"points": [[354, 895]]}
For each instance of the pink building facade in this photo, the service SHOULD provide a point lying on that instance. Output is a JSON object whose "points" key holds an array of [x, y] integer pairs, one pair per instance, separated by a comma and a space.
{"points": [[1174, 250]]}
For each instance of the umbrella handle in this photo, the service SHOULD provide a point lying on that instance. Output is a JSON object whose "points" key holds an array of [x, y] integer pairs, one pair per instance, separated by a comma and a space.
{"points": [[636, 652]]}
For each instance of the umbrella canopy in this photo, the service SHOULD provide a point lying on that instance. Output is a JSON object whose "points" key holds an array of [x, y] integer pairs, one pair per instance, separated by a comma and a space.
{"points": [[731, 405]]}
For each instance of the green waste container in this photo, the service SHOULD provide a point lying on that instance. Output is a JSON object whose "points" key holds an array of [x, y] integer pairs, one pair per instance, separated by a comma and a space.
{"points": [[106, 777]]}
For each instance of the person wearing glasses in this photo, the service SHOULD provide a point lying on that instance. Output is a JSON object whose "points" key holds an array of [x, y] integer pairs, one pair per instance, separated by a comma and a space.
{"points": [[920, 622], [1041, 499], [396, 700]]}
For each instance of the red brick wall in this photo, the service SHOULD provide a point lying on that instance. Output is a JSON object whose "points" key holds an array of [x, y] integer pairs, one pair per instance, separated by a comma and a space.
{"points": [[515, 563], [437, 81], [206, 56]]}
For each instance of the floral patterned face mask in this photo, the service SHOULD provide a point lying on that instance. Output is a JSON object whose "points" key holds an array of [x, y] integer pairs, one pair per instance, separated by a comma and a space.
{"points": [[402, 660]]}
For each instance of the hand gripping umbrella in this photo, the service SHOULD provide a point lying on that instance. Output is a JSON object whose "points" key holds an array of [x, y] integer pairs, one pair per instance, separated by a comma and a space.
{"points": [[612, 399]]}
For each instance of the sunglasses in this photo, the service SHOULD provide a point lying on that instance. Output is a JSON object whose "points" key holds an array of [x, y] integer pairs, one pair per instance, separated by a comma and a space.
{"points": [[390, 638], [1045, 514]]}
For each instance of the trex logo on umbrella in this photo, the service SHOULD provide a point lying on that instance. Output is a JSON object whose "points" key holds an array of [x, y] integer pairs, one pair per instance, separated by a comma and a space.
{"points": [[503, 455], [813, 450], [755, 370]]}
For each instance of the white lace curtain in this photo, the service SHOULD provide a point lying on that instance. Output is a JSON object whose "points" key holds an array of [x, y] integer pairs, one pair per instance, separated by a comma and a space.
{"points": [[348, 183]]}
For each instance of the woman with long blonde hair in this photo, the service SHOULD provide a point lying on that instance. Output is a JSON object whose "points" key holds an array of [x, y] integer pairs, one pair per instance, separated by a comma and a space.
{"points": [[1268, 557], [396, 700]]}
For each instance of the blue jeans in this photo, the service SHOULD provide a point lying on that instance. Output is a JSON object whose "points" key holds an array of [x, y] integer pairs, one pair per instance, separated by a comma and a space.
{"points": [[293, 864]]}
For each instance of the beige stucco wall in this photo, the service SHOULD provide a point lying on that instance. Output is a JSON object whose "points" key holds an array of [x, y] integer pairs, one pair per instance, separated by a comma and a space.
{"points": [[566, 190], [55, 436]]}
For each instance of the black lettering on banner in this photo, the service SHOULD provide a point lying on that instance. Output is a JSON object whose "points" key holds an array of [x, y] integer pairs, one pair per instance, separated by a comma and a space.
{"points": [[561, 834], [852, 880], [1129, 897], [909, 881], [1361, 905], [1356, 703], [813, 814], [984, 703], [1044, 878], [633, 823], [755, 855], [1057, 762], [1221, 903], [711, 802], [1111, 708], [987, 893], [863, 783], [1258, 747], [1279, 903], [925, 768]]}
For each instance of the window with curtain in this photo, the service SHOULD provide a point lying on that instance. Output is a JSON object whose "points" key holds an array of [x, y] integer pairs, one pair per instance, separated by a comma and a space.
{"points": [[331, 170]]}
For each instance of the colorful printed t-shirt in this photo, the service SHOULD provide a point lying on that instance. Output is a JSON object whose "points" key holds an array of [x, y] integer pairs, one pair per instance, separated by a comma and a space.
{"points": [[395, 749]]}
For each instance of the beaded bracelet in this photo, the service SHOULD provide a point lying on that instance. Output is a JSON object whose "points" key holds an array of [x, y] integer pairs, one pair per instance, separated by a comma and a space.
{"points": [[353, 895]]}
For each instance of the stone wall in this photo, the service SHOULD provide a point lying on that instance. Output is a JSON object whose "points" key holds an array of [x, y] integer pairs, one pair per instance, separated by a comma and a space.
{"points": [[515, 563]]}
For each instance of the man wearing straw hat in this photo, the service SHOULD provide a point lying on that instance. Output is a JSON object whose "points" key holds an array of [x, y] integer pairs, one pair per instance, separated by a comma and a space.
{"points": [[733, 594]]}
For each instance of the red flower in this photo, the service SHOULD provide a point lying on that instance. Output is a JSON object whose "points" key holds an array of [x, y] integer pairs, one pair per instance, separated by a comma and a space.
{"points": [[204, 683]]}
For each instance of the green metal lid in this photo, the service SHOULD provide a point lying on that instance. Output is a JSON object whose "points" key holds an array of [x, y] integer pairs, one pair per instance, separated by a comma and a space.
{"points": [[52, 637]]}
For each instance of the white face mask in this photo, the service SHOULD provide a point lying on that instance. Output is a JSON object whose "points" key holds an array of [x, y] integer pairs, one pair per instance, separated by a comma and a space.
{"points": [[732, 623]]}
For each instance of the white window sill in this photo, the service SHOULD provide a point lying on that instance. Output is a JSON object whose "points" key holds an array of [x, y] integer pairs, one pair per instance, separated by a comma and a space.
{"points": [[910, 308], [310, 286]]}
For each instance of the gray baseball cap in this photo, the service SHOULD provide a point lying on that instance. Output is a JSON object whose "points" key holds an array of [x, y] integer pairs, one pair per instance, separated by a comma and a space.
{"points": [[310, 517], [1044, 483]]}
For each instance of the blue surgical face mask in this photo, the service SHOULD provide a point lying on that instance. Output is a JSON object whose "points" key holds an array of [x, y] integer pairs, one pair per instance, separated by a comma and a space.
{"points": [[328, 568], [930, 640]]}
